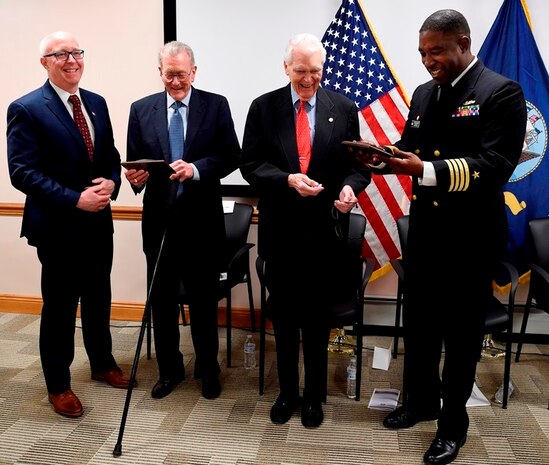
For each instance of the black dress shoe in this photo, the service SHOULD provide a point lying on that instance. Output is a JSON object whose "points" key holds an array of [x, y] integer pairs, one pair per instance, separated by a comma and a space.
{"points": [[443, 451], [164, 386], [311, 414], [211, 387], [402, 417], [282, 409]]}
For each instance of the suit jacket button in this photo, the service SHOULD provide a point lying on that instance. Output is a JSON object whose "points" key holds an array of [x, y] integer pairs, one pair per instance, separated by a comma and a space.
{"points": [[436, 153], [435, 203]]}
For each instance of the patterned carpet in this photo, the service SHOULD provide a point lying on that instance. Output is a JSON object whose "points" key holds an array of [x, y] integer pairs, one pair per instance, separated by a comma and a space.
{"points": [[235, 429]]}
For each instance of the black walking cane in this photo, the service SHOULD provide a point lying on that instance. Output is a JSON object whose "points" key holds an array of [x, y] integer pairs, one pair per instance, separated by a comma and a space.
{"points": [[117, 452]]}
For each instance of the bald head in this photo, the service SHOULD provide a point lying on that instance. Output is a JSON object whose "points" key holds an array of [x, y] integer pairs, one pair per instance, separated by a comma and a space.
{"points": [[48, 42], [64, 70]]}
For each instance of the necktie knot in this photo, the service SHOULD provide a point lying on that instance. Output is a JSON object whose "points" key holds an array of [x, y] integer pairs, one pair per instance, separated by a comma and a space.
{"points": [[74, 100], [177, 106], [443, 92]]}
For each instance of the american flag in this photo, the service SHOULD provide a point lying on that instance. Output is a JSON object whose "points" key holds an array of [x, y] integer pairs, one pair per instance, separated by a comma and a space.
{"points": [[356, 67]]}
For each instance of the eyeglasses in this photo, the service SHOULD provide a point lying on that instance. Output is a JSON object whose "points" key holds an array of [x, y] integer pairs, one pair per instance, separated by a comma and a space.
{"points": [[63, 55], [182, 76]]}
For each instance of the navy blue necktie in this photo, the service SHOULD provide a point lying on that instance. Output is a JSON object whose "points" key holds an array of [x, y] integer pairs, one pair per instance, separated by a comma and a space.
{"points": [[176, 132]]}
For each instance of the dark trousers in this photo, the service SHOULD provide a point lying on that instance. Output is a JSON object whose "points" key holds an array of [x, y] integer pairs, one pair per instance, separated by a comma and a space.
{"points": [[299, 308], [75, 270], [181, 264], [449, 319]]}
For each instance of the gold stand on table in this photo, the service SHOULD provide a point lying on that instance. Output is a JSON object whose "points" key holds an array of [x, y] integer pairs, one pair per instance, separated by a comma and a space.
{"points": [[341, 343], [491, 349]]}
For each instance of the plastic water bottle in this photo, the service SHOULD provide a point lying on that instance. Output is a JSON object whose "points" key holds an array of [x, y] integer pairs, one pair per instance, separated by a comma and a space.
{"points": [[249, 353], [351, 378], [499, 393]]}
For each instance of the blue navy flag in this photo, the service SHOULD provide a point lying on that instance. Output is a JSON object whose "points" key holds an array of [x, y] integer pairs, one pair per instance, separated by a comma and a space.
{"points": [[510, 49], [357, 68]]}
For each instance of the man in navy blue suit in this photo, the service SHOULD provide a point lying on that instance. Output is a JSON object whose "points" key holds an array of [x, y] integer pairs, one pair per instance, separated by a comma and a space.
{"points": [[204, 150], [68, 185]]}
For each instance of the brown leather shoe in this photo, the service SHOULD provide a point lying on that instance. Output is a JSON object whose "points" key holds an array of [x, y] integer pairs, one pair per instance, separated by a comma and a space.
{"points": [[114, 377], [66, 404]]}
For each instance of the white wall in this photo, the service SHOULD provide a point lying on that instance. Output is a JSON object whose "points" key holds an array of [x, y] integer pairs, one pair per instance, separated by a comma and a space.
{"points": [[236, 56], [239, 45]]}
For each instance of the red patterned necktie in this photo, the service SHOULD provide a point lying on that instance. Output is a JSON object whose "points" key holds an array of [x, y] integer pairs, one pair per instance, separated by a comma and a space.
{"points": [[80, 121], [303, 137]]}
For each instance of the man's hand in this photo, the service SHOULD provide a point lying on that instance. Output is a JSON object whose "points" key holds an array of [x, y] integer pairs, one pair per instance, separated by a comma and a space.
{"points": [[183, 170], [96, 197], [136, 177], [347, 200], [304, 185], [405, 163]]}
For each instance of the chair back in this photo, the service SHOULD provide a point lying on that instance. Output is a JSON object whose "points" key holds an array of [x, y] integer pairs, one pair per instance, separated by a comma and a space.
{"points": [[353, 242], [539, 232], [499, 314], [344, 306], [237, 228], [402, 229]]}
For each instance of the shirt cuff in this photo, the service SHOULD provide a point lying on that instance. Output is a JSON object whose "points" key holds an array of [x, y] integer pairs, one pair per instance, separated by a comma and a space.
{"points": [[196, 175], [429, 177]]}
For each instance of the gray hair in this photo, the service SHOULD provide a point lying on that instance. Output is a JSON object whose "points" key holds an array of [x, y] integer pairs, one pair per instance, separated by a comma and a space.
{"points": [[174, 48], [306, 41]]}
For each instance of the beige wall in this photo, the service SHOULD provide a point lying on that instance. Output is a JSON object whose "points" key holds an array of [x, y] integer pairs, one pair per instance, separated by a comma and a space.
{"points": [[121, 39]]}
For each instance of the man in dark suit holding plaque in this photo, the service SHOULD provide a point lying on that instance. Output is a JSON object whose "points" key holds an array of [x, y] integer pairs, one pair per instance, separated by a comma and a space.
{"points": [[61, 155], [307, 184], [462, 141], [193, 131]]}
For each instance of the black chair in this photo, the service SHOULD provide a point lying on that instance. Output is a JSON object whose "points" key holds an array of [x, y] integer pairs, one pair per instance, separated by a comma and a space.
{"points": [[402, 229], [236, 262], [499, 315], [348, 311], [538, 291]]}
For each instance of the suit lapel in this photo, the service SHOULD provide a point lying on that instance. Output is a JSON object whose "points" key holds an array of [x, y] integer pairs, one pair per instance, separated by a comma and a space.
{"points": [[197, 110], [465, 88], [58, 109], [324, 126], [96, 118], [160, 121], [285, 120]]}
